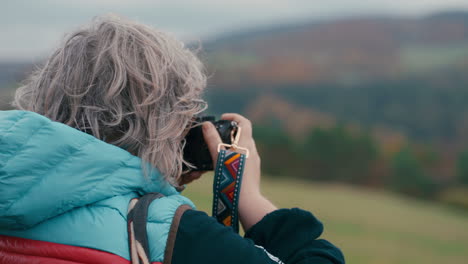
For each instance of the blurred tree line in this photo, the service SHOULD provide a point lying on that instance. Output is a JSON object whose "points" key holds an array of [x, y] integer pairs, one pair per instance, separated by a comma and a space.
{"points": [[427, 109], [339, 154]]}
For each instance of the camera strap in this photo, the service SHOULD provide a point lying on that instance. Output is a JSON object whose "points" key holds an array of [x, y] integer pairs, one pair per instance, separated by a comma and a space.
{"points": [[226, 187]]}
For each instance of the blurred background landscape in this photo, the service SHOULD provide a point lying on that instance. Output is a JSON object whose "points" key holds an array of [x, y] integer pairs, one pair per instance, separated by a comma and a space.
{"points": [[360, 111]]}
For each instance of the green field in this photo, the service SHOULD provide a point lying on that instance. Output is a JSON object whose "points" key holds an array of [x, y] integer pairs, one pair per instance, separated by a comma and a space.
{"points": [[369, 226]]}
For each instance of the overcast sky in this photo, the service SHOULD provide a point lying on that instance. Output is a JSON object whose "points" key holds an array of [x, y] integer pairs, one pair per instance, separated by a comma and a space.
{"points": [[31, 28]]}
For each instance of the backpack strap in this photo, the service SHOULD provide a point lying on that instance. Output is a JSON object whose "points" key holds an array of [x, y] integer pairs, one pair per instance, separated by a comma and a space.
{"points": [[136, 224]]}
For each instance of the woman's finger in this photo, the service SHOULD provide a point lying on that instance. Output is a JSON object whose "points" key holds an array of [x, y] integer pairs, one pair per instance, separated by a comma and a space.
{"points": [[243, 122], [212, 139], [236, 117]]}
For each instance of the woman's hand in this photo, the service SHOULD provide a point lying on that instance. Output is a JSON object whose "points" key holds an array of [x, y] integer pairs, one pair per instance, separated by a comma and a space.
{"points": [[251, 180], [252, 205]]}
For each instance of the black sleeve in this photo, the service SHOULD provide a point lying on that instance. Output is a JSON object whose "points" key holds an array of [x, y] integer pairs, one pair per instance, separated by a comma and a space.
{"points": [[291, 235], [284, 236]]}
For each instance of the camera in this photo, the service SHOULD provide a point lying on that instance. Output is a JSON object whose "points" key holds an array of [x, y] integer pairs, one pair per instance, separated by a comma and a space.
{"points": [[196, 150]]}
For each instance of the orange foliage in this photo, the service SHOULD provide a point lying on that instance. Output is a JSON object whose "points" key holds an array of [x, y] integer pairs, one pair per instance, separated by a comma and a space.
{"points": [[296, 120]]}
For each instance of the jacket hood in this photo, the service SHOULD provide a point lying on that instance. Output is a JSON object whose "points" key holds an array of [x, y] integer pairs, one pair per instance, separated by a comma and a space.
{"points": [[48, 168]]}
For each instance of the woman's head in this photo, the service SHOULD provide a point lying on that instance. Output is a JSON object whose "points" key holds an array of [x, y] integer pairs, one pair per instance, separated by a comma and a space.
{"points": [[125, 83]]}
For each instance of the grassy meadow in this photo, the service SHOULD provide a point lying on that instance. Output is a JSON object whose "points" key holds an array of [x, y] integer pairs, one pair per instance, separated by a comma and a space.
{"points": [[369, 226]]}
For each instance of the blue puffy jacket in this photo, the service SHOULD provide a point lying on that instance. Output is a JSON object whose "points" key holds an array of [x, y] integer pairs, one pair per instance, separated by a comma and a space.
{"points": [[61, 185]]}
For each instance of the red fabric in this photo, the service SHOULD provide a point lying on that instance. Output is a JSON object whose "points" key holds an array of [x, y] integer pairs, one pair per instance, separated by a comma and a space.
{"points": [[20, 250]]}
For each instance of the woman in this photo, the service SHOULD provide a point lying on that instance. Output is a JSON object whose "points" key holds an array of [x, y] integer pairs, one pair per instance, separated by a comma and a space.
{"points": [[101, 123]]}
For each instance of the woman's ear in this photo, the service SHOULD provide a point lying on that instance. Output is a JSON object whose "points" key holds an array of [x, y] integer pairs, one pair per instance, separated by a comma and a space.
{"points": [[190, 177]]}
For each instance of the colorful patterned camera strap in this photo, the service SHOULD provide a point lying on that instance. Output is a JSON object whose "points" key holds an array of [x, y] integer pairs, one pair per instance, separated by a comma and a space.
{"points": [[226, 187]]}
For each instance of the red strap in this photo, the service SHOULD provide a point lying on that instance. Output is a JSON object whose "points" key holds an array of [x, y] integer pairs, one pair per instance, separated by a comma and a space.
{"points": [[20, 250]]}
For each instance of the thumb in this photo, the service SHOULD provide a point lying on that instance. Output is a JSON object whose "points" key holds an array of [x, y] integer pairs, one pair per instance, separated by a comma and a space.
{"points": [[212, 139]]}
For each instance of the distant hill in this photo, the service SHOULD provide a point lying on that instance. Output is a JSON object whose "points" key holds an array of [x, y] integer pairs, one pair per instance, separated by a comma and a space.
{"points": [[410, 74], [13, 72], [343, 51]]}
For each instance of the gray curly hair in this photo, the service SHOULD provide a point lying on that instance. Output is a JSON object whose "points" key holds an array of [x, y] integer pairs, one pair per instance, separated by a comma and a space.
{"points": [[125, 83]]}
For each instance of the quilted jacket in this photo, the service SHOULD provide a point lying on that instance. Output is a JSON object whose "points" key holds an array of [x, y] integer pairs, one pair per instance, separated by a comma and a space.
{"points": [[61, 185]]}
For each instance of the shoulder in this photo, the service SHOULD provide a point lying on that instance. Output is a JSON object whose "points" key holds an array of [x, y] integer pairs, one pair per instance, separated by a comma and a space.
{"points": [[164, 216]]}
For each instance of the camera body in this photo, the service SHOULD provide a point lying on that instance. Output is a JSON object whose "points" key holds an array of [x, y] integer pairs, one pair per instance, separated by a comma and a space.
{"points": [[196, 150]]}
